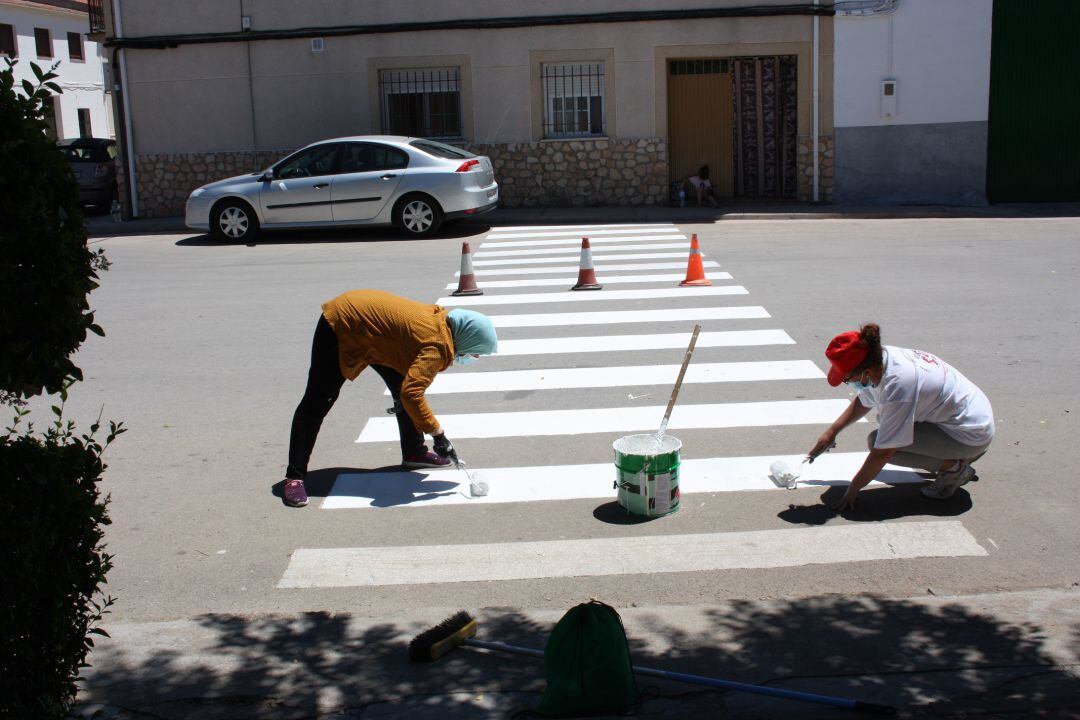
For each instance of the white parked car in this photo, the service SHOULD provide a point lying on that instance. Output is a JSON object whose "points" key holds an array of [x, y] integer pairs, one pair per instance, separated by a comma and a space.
{"points": [[412, 183]]}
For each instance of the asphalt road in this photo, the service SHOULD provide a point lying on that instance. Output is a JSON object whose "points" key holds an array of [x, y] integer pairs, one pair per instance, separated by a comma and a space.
{"points": [[206, 355]]}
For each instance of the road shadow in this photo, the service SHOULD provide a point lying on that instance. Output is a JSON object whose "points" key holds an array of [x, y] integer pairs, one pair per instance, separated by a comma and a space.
{"points": [[463, 230], [929, 659], [404, 488], [614, 514], [876, 504]]}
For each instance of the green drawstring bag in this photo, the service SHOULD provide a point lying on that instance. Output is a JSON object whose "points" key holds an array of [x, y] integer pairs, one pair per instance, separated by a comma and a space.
{"points": [[587, 664]]}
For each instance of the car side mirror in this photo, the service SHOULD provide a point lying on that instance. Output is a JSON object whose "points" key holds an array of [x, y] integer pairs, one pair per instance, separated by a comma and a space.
{"points": [[267, 176]]}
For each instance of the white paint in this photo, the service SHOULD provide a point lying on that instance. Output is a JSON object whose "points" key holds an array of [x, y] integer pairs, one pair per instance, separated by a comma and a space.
{"points": [[577, 241], [939, 52], [575, 258], [502, 229], [480, 562], [549, 233], [617, 317], [621, 420], [623, 343], [602, 265], [622, 376], [592, 296], [607, 280], [430, 488], [526, 252]]}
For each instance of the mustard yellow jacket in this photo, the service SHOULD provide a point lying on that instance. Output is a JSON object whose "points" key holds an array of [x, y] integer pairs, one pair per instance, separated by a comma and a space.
{"points": [[376, 328]]}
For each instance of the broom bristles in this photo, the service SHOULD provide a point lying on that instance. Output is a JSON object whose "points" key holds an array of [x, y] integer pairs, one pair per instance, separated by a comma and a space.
{"points": [[422, 647]]}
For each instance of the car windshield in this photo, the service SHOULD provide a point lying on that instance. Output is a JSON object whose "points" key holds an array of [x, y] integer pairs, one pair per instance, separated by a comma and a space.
{"points": [[83, 153], [439, 150]]}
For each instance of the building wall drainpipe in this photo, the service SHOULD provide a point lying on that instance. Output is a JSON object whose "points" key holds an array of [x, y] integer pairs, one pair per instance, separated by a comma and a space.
{"points": [[816, 101], [129, 140]]}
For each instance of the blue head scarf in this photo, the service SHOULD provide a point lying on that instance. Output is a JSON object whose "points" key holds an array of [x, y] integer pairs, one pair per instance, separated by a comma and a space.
{"points": [[474, 334]]}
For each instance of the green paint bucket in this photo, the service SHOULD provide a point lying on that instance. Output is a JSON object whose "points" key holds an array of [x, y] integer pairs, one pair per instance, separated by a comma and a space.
{"points": [[647, 474]]}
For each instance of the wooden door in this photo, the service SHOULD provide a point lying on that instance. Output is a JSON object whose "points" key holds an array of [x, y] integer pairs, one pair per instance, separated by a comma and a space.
{"points": [[701, 121]]}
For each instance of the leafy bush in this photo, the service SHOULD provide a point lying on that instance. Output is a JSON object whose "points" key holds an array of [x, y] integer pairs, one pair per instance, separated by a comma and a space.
{"points": [[51, 528], [46, 268], [52, 517]]}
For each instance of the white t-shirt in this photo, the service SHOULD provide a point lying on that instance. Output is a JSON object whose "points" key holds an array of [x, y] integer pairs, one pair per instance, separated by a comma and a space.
{"points": [[919, 387]]}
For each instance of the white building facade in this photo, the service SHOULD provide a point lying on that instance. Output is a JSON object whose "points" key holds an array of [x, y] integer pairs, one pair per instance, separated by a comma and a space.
{"points": [[48, 32]]}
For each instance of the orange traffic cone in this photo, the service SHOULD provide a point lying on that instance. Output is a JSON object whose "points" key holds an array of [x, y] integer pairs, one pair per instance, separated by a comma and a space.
{"points": [[586, 278], [695, 271], [467, 281]]}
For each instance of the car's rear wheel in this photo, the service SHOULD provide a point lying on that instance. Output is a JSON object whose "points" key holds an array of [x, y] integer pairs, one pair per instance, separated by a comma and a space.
{"points": [[418, 215], [234, 220]]}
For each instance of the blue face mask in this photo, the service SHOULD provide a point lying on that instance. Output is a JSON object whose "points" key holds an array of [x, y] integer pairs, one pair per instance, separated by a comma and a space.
{"points": [[464, 359], [857, 386]]}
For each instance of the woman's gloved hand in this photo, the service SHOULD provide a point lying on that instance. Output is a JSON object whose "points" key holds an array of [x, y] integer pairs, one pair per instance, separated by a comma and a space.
{"points": [[444, 447]]}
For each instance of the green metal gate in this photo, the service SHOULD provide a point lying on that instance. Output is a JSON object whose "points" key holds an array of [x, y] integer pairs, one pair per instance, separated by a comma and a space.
{"points": [[1034, 134]]}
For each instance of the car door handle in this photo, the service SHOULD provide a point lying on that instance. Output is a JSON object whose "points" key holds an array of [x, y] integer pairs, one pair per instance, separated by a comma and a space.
{"points": [[387, 176], [320, 186]]}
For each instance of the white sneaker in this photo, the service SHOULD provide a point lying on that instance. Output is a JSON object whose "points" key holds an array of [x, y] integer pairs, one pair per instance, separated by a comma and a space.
{"points": [[947, 481]]}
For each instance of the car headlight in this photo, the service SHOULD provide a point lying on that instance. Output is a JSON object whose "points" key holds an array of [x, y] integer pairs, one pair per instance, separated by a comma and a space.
{"points": [[197, 192]]}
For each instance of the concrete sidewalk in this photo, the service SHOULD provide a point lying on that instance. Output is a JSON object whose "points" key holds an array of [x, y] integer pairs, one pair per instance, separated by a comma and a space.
{"points": [[103, 225], [1000, 655]]}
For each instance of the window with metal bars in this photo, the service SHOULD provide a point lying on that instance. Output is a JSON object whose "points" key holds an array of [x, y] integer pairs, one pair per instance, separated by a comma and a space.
{"points": [[421, 102], [697, 67], [7, 41], [573, 100], [97, 16]]}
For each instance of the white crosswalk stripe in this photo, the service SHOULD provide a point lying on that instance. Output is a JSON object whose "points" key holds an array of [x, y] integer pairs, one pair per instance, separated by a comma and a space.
{"points": [[602, 240], [623, 343], [598, 266], [640, 317], [606, 280], [597, 250], [576, 258], [548, 298]]}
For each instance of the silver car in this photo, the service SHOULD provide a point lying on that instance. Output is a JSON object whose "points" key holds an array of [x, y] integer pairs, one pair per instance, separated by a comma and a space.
{"points": [[412, 183]]}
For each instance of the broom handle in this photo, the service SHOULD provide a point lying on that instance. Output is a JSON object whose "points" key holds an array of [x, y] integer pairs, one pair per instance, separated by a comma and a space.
{"points": [[857, 705], [678, 383]]}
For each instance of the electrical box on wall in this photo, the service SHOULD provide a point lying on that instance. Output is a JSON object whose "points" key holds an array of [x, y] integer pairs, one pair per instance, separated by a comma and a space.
{"points": [[888, 98], [317, 45]]}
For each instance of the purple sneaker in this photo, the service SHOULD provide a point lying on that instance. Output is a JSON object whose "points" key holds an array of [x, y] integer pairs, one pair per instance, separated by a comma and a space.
{"points": [[295, 493], [427, 459]]}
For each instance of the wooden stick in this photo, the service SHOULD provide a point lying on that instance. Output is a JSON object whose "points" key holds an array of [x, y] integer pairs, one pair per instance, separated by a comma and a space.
{"points": [[678, 383]]}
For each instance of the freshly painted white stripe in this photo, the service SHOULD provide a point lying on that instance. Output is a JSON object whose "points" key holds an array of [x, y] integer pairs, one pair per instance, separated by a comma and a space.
{"points": [[616, 317], [520, 228], [575, 258], [602, 265], [622, 376], [581, 421], [527, 252], [591, 296], [606, 280], [622, 343], [427, 488], [705, 552], [565, 233], [577, 241]]}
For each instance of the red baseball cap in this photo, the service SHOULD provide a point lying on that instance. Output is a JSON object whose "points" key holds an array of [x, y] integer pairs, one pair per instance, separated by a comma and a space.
{"points": [[845, 352]]}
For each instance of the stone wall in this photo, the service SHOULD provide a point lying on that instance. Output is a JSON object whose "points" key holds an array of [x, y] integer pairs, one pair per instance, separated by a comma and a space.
{"points": [[577, 173], [806, 169]]}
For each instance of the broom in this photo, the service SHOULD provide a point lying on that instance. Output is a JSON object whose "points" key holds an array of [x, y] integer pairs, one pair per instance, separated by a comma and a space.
{"points": [[460, 629]]}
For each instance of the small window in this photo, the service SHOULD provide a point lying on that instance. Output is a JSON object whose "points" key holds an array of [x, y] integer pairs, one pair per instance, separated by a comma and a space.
{"points": [[368, 157], [421, 103], [84, 123], [312, 162], [75, 46], [573, 100], [439, 150], [44, 42], [7, 41]]}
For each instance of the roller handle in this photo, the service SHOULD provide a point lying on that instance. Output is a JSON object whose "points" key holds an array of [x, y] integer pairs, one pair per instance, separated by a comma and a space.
{"points": [[678, 382]]}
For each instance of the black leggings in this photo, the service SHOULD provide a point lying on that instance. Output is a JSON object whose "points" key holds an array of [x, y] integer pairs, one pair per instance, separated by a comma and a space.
{"points": [[323, 385]]}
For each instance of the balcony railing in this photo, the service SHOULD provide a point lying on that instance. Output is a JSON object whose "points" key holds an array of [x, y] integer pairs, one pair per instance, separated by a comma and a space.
{"points": [[96, 12]]}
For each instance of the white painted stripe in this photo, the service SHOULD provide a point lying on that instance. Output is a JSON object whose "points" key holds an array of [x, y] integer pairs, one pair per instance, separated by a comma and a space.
{"points": [[575, 258], [616, 317], [621, 376], [622, 343], [577, 241], [570, 233], [486, 562], [520, 228], [602, 265], [606, 280], [580, 421], [428, 488], [528, 252], [592, 296]]}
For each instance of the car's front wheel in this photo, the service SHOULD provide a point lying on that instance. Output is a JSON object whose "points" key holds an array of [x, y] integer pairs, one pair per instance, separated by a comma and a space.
{"points": [[417, 215], [234, 220]]}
